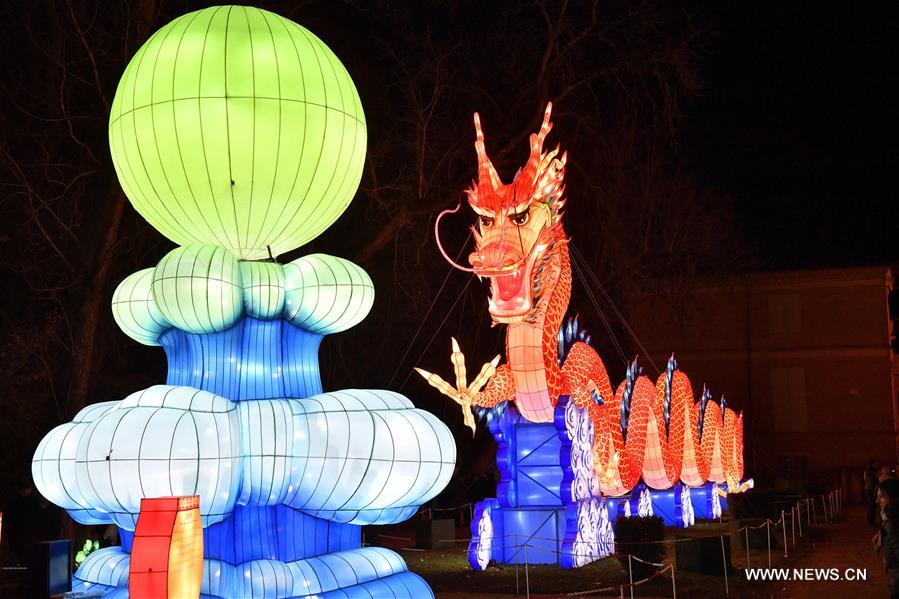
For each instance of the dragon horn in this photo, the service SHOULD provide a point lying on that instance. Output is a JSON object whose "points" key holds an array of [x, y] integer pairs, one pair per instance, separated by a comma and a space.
{"points": [[486, 172], [546, 126], [533, 165]]}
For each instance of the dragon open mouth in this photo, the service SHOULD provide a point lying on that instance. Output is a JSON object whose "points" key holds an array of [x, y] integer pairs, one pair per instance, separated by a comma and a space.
{"points": [[507, 286], [511, 287]]}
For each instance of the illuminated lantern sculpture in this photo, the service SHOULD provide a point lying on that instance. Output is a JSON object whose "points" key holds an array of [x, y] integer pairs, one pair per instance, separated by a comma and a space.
{"points": [[239, 134], [167, 551], [573, 452], [235, 127]]}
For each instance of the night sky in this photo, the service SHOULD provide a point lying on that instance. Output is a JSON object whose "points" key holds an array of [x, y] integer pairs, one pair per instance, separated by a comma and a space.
{"points": [[798, 124]]}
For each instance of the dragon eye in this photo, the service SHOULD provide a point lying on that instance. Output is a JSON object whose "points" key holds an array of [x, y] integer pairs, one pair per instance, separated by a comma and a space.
{"points": [[520, 219], [486, 222]]}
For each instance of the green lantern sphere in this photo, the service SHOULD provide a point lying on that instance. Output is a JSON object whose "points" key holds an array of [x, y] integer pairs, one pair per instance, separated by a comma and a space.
{"points": [[237, 127]]}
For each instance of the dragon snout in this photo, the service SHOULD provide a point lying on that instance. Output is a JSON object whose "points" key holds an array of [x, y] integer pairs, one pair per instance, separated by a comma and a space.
{"points": [[495, 256]]}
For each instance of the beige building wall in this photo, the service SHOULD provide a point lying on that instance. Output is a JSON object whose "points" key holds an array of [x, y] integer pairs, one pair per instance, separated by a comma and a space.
{"points": [[804, 354]]}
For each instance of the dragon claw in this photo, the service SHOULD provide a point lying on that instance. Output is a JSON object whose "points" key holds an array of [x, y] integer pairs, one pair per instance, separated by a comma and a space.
{"points": [[463, 393]]}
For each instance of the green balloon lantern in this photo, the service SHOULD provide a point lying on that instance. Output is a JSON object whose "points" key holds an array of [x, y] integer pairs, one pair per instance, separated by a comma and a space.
{"points": [[236, 127]]}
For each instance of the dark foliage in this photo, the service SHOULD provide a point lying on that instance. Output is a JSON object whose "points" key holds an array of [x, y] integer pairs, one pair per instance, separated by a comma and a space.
{"points": [[756, 503], [639, 537]]}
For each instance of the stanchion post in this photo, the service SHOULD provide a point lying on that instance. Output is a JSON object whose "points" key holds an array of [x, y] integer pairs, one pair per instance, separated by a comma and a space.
{"points": [[793, 524], [527, 580], [747, 546], [673, 586], [799, 519], [724, 562], [768, 531], [783, 520], [516, 563], [630, 574], [808, 512]]}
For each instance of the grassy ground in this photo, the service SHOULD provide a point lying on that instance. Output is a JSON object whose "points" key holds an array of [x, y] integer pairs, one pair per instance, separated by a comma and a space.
{"points": [[448, 572], [843, 544]]}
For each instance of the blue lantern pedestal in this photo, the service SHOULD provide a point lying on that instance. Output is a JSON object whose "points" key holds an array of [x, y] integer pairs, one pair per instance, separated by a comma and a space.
{"points": [[528, 515], [548, 508]]}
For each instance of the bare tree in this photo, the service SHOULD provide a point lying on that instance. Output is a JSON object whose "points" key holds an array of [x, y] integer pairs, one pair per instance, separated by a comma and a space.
{"points": [[68, 225], [619, 75]]}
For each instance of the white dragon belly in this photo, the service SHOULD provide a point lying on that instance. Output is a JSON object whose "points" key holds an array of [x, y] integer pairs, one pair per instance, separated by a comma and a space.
{"points": [[525, 355]]}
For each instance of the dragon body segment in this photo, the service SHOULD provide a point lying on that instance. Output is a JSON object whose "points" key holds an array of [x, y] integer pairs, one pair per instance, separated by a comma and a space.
{"points": [[655, 432]]}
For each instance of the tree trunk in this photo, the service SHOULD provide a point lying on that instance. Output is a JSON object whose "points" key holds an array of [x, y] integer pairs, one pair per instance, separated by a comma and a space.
{"points": [[93, 310]]}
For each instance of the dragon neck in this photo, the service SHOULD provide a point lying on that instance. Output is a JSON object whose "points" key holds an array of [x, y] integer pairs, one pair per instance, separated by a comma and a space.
{"points": [[539, 330]]}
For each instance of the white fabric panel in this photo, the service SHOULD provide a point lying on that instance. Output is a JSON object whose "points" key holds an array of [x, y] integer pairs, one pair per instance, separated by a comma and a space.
{"points": [[326, 294], [357, 456], [135, 310], [263, 289], [54, 471], [358, 452], [162, 441], [107, 566], [198, 288]]}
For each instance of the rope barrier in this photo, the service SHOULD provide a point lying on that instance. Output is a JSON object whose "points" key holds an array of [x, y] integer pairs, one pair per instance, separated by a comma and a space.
{"points": [[795, 522], [621, 587], [643, 561], [831, 500]]}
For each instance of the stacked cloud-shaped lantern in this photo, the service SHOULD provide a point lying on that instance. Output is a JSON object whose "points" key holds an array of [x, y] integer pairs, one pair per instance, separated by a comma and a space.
{"points": [[239, 135]]}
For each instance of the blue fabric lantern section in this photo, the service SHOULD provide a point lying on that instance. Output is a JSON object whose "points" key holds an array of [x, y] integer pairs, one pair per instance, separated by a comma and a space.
{"points": [[548, 502], [286, 473], [548, 507]]}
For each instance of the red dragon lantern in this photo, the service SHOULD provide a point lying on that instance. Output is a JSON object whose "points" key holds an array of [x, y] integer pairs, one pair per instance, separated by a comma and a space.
{"points": [[642, 430]]}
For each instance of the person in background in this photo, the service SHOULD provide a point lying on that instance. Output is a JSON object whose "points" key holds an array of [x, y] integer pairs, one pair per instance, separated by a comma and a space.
{"points": [[884, 474], [887, 537], [870, 478]]}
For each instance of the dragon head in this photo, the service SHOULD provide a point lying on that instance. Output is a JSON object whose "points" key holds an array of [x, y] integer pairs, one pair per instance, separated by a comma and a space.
{"points": [[519, 224]]}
